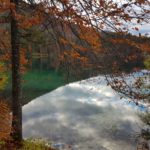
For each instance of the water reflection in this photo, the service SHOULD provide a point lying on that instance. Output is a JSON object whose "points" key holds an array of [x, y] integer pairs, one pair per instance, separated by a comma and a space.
{"points": [[85, 115]]}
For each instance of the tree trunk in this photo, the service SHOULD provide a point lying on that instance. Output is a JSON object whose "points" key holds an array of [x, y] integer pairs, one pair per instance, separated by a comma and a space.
{"points": [[16, 80]]}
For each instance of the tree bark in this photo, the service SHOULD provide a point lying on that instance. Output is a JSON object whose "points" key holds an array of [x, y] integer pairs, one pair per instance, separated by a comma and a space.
{"points": [[16, 80]]}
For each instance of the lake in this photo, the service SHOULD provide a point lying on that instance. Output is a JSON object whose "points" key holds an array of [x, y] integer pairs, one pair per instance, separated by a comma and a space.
{"points": [[85, 115]]}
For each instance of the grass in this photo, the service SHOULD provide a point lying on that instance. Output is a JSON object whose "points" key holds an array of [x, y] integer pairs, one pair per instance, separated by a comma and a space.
{"points": [[35, 145], [28, 144]]}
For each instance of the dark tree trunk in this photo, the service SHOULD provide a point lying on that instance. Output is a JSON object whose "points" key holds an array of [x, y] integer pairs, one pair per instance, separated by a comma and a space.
{"points": [[16, 80]]}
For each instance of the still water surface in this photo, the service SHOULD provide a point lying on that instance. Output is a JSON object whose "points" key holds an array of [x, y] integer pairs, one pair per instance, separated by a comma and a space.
{"points": [[87, 115]]}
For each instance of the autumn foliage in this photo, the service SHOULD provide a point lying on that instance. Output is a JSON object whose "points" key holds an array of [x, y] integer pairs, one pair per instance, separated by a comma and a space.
{"points": [[5, 121], [87, 20]]}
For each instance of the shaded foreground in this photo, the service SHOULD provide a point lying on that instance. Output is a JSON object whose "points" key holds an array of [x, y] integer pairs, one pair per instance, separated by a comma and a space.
{"points": [[86, 115]]}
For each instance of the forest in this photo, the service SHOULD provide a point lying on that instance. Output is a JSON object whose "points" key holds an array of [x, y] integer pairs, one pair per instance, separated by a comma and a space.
{"points": [[69, 69]]}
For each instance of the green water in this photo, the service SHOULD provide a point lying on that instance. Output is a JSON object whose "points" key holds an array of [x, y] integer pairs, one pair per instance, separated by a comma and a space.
{"points": [[38, 80], [36, 83]]}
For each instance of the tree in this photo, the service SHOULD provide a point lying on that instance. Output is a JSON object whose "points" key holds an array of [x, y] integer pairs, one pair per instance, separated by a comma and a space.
{"points": [[86, 19], [16, 78]]}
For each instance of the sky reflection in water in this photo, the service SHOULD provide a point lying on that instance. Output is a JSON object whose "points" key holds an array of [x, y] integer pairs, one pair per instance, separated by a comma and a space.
{"points": [[87, 113]]}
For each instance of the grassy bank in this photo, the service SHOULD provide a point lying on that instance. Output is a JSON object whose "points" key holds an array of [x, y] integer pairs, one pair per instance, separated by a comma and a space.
{"points": [[28, 144]]}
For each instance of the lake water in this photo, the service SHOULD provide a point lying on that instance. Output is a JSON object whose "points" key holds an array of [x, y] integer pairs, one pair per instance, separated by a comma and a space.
{"points": [[87, 115]]}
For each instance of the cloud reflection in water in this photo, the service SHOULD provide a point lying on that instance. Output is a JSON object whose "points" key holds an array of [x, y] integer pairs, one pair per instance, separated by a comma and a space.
{"points": [[86, 113]]}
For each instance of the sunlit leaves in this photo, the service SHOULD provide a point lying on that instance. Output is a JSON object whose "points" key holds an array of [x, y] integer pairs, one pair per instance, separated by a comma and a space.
{"points": [[6, 5]]}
